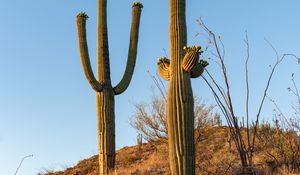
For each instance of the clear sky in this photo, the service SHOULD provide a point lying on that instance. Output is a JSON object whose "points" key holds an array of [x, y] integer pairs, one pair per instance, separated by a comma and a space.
{"points": [[47, 108]]}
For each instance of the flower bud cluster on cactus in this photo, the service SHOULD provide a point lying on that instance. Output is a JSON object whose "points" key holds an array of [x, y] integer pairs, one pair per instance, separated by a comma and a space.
{"points": [[203, 63], [139, 4], [163, 60], [195, 48], [83, 15]]}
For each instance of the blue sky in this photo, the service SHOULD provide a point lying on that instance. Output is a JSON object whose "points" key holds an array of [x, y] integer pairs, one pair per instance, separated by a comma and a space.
{"points": [[47, 108]]}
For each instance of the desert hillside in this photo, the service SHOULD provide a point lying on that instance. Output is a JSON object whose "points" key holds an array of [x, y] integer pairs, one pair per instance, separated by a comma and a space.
{"points": [[215, 155]]}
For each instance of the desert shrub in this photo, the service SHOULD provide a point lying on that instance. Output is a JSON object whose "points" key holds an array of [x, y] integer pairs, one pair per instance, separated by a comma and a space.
{"points": [[279, 148], [149, 119]]}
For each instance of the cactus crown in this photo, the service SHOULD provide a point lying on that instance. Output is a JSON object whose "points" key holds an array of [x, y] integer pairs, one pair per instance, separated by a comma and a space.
{"points": [[83, 15], [203, 63], [163, 60], [137, 4], [195, 48]]}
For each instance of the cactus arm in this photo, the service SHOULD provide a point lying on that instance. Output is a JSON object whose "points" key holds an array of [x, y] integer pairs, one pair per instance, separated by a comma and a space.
{"points": [[103, 49], [163, 71], [197, 71], [163, 68], [84, 54], [132, 51]]}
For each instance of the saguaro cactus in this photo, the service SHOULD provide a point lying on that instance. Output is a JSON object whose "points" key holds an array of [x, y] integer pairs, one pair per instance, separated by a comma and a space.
{"points": [[183, 66], [105, 92]]}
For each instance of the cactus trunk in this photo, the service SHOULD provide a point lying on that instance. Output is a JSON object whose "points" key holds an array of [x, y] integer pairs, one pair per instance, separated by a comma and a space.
{"points": [[106, 130], [105, 99], [180, 102], [105, 92]]}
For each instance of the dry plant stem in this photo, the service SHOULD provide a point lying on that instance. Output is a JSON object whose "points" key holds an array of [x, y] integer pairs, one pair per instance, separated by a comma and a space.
{"points": [[295, 91], [280, 112], [159, 84], [296, 120], [151, 128], [279, 60], [226, 108], [247, 97], [227, 97], [232, 123], [104, 91], [22, 160], [224, 101]]}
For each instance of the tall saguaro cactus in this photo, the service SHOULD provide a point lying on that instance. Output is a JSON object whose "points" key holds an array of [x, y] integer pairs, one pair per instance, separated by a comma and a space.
{"points": [[105, 92], [182, 66]]}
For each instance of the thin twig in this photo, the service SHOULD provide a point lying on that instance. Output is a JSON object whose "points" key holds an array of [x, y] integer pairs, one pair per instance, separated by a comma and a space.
{"points": [[280, 112], [228, 111], [296, 89], [22, 160], [247, 95], [279, 60], [162, 90]]}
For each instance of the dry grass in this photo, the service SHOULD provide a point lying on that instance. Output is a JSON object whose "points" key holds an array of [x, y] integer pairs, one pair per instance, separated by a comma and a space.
{"points": [[215, 155]]}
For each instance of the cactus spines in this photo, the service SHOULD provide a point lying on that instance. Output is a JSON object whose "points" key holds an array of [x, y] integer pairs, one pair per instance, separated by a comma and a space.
{"points": [[105, 92], [163, 68]]}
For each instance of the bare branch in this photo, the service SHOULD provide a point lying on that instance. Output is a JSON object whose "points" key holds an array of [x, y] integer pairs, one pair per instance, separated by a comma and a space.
{"points": [[150, 119], [247, 91], [280, 112], [279, 60], [21, 162], [159, 85]]}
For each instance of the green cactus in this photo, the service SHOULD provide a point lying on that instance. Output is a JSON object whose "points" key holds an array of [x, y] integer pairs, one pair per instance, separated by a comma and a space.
{"points": [[83, 15], [105, 92], [137, 4], [204, 63], [180, 104], [163, 64]]}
